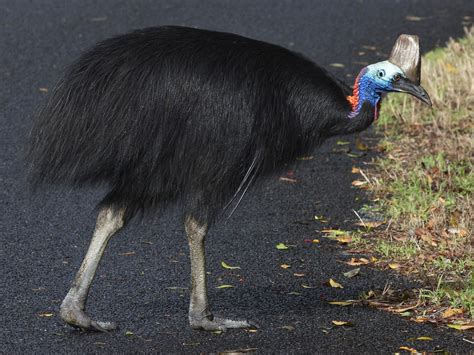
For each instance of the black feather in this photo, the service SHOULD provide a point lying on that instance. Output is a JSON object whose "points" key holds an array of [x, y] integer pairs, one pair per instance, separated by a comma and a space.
{"points": [[174, 114]]}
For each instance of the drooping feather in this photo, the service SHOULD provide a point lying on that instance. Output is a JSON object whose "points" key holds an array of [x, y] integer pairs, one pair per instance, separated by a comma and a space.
{"points": [[173, 114]]}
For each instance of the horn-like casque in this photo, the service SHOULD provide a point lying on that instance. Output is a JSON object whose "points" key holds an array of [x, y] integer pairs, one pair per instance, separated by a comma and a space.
{"points": [[406, 55]]}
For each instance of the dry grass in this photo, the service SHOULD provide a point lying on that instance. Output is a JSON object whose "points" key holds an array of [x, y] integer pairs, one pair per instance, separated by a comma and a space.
{"points": [[424, 183]]}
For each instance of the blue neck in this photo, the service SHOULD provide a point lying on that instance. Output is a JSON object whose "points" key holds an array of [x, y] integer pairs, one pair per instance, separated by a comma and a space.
{"points": [[364, 91]]}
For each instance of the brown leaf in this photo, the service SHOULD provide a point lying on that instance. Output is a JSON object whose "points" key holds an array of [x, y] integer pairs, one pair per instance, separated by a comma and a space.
{"points": [[355, 170], [369, 224], [285, 266], [298, 274], [451, 312], [357, 262], [344, 239], [342, 323], [394, 266]]}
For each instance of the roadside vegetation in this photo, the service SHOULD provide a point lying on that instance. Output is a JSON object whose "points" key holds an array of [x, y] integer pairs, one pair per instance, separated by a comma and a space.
{"points": [[422, 184]]}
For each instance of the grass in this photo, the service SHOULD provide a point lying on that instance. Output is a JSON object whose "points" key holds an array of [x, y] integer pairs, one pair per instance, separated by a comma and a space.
{"points": [[424, 182]]}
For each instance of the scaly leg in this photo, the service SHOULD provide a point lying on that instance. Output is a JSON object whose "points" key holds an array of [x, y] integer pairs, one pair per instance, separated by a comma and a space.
{"points": [[200, 317], [72, 310]]}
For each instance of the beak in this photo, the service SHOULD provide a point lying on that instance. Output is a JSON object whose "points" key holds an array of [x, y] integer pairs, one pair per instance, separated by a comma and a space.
{"points": [[405, 85]]}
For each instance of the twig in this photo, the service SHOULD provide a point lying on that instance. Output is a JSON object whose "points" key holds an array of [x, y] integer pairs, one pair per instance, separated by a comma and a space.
{"points": [[365, 176], [360, 219]]}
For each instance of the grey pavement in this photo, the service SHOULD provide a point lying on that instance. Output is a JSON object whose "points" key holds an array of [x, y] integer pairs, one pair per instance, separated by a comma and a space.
{"points": [[142, 282]]}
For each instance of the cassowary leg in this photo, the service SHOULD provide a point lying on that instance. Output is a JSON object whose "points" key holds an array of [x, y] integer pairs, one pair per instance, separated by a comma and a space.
{"points": [[200, 317], [109, 222]]}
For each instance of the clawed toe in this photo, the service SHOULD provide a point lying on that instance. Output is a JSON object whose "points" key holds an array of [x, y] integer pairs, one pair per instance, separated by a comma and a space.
{"points": [[77, 318], [221, 324]]}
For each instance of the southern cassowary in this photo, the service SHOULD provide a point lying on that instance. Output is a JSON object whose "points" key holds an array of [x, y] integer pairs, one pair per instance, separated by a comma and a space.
{"points": [[187, 117]]}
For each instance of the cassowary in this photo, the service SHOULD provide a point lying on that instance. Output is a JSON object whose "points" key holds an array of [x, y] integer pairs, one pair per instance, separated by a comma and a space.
{"points": [[179, 116]]}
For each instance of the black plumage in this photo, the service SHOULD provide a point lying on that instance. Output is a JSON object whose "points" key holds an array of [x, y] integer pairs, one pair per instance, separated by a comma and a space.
{"points": [[178, 115], [175, 115]]}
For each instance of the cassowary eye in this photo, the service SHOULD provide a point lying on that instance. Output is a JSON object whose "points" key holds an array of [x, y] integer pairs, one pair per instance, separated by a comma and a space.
{"points": [[396, 77], [381, 73]]}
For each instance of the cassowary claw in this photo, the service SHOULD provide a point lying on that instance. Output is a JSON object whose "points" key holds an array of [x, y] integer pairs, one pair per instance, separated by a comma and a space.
{"points": [[77, 318], [211, 323]]}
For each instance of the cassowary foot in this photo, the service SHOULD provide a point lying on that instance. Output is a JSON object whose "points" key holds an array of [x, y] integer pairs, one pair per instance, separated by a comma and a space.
{"points": [[212, 323], [77, 318]]}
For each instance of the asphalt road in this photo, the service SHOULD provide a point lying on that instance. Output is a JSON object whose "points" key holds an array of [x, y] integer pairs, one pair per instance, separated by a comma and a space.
{"points": [[142, 282]]}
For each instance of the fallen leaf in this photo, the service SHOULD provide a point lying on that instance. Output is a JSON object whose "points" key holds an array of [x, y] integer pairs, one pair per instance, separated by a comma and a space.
{"points": [[281, 246], [46, 315], [341, 303], [285, 266], [451, 312], [342, 323], [358, 183], [404, 309], [361, 145], [369, 224], [252, 330], [355, 170], [413, 18], [337, 65], [282, 178], [424, 338], [128, 253], [394, 266], [306, 286], [344, 239], [421, 319], [461, 326], [333, 231], [334, 284], [288, 327], [43, 89], [225, 286], [342, 142], [294, 293], [412, 350], [352, 155], [298, 274], [129, 333], [227, 266], [357, 262], [352, 273]]}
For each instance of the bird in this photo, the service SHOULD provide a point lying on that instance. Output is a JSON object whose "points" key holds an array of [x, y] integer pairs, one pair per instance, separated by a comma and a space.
{"points": [[176, 116]]}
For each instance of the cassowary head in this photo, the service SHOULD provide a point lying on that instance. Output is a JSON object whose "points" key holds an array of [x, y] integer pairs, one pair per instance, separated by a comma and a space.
{"points": [[383, 77], [400, 73]]}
